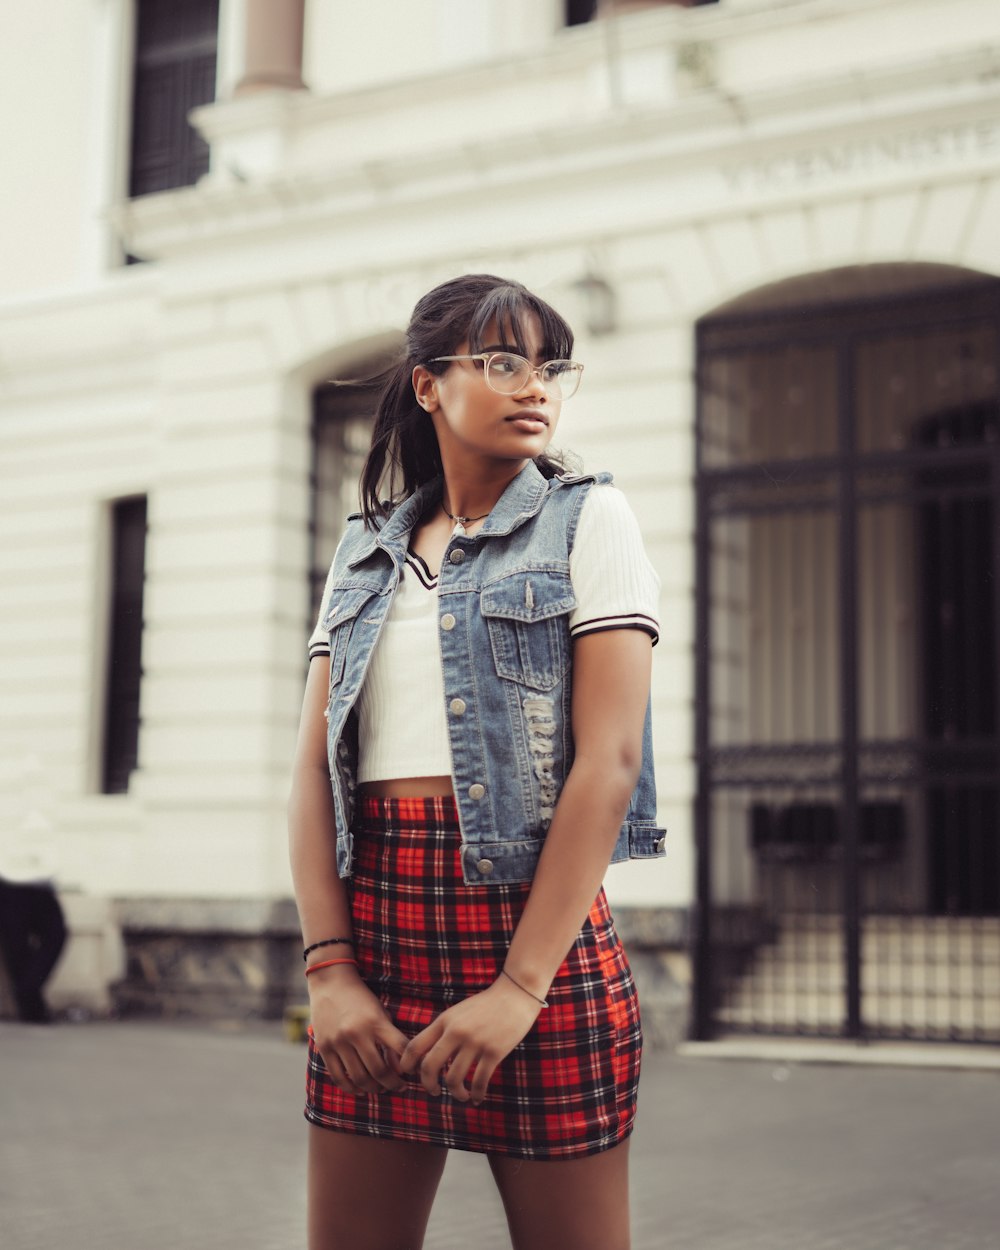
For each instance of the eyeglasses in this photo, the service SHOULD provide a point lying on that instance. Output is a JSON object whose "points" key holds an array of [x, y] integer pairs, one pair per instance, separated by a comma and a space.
{"points": [[507, 373]]}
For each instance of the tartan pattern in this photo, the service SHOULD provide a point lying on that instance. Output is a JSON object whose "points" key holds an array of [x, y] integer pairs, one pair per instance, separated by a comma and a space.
{"points": [[425, 940]]}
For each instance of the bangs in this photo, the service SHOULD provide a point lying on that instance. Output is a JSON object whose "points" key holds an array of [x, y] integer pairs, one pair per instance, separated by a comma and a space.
{"points": [[512, 309]]}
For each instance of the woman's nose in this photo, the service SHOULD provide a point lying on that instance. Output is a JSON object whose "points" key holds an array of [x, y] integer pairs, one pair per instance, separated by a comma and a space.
{"points": [[534, 385]]}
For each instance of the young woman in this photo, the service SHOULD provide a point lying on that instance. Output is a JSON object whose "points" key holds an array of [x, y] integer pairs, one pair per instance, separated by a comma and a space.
{"points": [[479, 698]]}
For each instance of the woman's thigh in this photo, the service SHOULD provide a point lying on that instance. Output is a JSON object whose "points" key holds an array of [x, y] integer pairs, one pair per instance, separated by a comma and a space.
{"points": [[366, 1193], [581, 1203]]}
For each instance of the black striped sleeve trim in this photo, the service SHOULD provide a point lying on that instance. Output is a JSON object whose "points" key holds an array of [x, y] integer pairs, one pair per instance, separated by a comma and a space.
{"points": [[425, 577], [631, 620], [319, 648]]}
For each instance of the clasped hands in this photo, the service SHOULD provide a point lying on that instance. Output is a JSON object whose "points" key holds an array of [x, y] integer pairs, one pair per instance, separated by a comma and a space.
{"points": [[458, 1051]]}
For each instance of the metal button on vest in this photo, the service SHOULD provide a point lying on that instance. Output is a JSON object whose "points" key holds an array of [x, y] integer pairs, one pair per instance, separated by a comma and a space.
{"points": [[447, 621], [457, 706], [457, 556], [658, 845], [477, 791], [485, 867]]}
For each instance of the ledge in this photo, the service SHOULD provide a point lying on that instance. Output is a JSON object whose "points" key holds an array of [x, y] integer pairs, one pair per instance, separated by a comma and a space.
{"points": [[217, 917], [878, 1054]]}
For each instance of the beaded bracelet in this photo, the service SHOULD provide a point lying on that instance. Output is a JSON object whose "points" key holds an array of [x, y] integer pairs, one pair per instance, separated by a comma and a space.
{"points": [[327, 942], [523, 990], [329, 963]]}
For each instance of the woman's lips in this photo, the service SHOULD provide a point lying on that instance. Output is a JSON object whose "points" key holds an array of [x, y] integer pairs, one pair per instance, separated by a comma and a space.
{"points": [[530, 418]]}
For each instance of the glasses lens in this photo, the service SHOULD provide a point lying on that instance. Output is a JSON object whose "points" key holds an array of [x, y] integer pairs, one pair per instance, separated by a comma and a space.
{"points": [[561, 378], [507, 373]]}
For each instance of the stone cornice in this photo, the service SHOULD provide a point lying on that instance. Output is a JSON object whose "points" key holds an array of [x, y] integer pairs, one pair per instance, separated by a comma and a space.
{"points": [[703, 129]]}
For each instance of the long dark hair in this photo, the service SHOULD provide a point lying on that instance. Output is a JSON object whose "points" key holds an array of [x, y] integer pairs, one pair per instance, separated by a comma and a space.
{"points": [[404, 451]]}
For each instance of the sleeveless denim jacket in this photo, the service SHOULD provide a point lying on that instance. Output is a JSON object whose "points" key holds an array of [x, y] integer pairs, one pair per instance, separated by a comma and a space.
{"points": [[504, 601]]}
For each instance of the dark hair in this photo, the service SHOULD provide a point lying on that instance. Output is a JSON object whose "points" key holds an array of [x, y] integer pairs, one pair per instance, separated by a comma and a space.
{"points": [[404, 443]]}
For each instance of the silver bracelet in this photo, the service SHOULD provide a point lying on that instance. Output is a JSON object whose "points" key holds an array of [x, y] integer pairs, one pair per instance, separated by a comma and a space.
{"points": [[522, 989]]}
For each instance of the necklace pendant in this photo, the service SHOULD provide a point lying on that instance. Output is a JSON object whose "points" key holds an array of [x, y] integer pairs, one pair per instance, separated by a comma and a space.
{"points": [[462, 521]]}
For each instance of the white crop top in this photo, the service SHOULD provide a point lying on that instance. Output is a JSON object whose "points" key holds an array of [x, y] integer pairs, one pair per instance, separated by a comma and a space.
{"points": [[402, 721]]}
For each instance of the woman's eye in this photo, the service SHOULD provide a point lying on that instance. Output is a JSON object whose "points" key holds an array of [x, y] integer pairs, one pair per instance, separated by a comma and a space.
{"points": [[555, 370], [505, 364]]}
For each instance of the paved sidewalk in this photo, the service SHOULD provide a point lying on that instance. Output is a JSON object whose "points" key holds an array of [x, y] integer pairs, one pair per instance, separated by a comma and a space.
{"points": [[155, 1137]]}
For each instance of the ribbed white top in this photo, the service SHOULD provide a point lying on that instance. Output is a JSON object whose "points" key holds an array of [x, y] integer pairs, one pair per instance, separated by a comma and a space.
{"points": [[402, 714], [402, 730]]}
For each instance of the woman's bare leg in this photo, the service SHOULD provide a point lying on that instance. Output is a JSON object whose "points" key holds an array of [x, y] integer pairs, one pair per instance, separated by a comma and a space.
{"points": [[581, 1203], [369, 1194]]}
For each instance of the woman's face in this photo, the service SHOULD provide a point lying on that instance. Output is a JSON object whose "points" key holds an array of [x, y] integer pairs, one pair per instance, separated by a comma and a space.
{"points": [[472, 420]]}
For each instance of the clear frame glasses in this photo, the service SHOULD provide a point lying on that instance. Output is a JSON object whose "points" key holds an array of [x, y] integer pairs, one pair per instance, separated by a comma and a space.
{"points": [[507, 373]]}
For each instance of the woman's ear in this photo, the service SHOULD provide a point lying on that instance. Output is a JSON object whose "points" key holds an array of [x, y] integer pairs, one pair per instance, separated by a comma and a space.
{"points": [[425, 388]]}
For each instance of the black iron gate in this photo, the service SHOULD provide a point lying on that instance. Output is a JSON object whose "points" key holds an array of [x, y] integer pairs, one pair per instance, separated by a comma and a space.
{"points": [[848, 669]]}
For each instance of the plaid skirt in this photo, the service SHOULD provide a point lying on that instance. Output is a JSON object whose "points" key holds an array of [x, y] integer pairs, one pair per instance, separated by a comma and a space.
{"points": [[424, 941]]}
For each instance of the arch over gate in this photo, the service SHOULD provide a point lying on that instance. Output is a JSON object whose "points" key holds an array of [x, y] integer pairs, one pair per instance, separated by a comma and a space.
{"points": [[848, 667]]}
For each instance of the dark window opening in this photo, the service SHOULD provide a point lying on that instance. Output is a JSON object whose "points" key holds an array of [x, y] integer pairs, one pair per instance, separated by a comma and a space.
{"points": [[175, 57], [342, 426], [579, 12], [121, 703]]}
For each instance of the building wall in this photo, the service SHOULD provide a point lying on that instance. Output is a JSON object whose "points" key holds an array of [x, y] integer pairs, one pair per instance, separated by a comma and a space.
{"points": [[49, 144], [424, 37], [683, 157]]}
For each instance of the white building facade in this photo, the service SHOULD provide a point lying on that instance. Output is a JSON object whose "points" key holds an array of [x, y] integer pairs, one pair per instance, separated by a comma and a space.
{"points": [[720, 197]]}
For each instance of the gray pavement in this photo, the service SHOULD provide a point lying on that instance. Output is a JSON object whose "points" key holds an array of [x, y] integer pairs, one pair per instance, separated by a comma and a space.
{"points": [[147, 1137]]}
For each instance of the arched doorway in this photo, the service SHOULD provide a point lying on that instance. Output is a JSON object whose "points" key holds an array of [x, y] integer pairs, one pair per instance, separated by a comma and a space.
{"points": [[342, 410], [848, 670]]}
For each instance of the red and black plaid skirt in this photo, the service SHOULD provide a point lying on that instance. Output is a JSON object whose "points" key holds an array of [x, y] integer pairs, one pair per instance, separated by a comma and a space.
{"points": [[424, 941]]}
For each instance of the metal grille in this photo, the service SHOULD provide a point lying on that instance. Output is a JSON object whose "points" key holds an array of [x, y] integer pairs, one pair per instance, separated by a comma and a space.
{"points": [[848, 809]]}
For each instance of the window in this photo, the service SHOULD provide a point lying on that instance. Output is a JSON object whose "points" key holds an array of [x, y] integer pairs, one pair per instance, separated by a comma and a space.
{"points": [[124, 668], [175, 54], [580, 11]]}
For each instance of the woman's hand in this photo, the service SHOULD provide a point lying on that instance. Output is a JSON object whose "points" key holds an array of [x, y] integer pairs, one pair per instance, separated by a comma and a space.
{"points": [[360, 1045], [477, 1032]]}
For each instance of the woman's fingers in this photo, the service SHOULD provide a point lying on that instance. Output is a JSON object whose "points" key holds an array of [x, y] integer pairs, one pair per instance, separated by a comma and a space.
{"points": [[475, 1033], [357, 1039], [458, 1073], [345, 1068], [381, 1059], [480, 1079], [393, 1041], [444, 1060], [415, 1057], [364, 1067]]}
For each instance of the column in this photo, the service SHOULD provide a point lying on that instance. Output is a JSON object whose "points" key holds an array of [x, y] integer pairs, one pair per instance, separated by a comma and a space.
{"points": [[273, 59]]}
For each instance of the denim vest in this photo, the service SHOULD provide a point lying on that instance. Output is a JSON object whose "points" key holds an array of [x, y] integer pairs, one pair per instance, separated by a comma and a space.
{"points": [[504, 601]]}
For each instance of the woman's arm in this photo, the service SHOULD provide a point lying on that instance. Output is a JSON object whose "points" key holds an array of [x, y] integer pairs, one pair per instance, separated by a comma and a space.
{"points": [[358, 1041], [611, 677]]}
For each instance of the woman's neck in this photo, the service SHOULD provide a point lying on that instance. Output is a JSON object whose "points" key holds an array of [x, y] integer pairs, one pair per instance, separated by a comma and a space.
{"points": [[474, 494]]}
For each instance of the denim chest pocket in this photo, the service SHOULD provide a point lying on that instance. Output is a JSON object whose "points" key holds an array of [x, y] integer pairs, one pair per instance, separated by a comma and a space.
{"points": [[341, 617], [527, 617]]}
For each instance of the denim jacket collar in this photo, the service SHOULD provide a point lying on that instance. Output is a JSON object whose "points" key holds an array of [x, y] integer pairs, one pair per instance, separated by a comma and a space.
{"points": [[520, 501]]}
